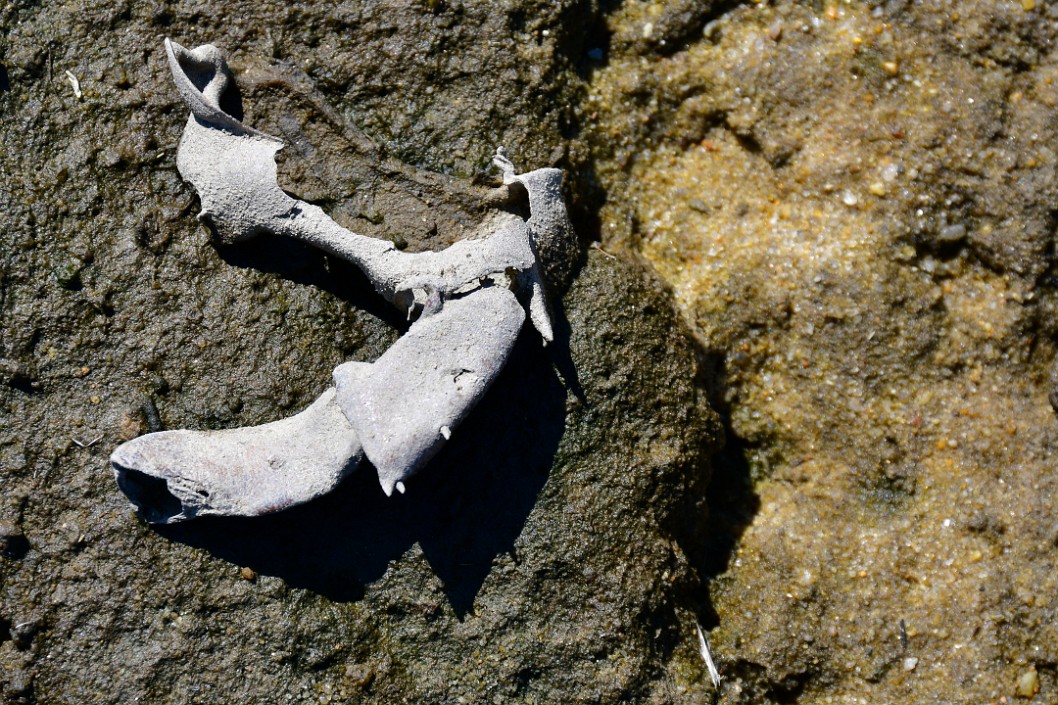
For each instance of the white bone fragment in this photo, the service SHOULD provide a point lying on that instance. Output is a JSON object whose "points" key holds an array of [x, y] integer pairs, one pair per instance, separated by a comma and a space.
{"points": [[233, 169], [707, 656], [433, 376], [74, 84], [175, 475], [398, 410]]}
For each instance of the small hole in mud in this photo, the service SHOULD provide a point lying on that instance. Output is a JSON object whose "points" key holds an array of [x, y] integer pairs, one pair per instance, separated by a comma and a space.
{"points": [[15, 547]]}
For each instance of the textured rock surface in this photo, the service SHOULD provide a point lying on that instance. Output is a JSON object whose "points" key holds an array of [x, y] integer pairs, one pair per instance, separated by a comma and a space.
{"points": [[855, 203], [547, 555]]}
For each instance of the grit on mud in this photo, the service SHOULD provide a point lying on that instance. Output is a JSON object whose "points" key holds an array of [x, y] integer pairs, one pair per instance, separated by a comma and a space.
{"points": [[854, 203]]}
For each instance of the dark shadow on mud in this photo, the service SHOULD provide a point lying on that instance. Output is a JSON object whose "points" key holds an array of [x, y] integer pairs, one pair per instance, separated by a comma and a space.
{"points": [[302, 264], [732, 501], [464, 509]]}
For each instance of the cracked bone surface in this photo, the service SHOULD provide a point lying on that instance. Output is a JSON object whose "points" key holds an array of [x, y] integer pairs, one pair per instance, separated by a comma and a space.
{"points": [[397, 411]]}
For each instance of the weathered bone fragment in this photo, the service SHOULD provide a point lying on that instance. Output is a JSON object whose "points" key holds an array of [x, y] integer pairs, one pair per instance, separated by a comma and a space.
{"points": [[232, 167], [428, 381], [175, 475], [397, 411]]}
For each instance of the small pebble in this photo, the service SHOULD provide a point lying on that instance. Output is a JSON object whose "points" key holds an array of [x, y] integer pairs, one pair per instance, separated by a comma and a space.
{"points": [[890, 171], [909, 663], [360, 675], [1028, 5], [849, 198], [697, 204], [878, 189], [22, 633], [891, 67], [952, 233], [248, 574], [1029, 683]]}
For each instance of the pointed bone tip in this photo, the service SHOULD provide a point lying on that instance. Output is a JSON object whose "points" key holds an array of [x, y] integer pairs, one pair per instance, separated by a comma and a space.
{"points": [[173, 49], [547, 335], [389, 485]]}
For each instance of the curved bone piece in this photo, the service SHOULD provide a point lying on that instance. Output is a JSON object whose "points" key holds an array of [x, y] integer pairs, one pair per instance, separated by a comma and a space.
{"points": [[175, 475], [233, 169], [398, 410], [403, 405]]}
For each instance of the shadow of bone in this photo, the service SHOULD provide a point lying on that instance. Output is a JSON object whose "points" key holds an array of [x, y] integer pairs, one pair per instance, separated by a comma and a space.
{"points": [[307, 266], [464, 509]]}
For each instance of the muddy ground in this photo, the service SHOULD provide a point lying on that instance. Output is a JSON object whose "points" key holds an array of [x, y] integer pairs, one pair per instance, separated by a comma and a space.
{"points": [[831, 222], [855, 205]]}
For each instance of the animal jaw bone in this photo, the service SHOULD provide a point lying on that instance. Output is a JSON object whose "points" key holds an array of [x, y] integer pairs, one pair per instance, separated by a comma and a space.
{"points": [[233, 168], [397, 411]]}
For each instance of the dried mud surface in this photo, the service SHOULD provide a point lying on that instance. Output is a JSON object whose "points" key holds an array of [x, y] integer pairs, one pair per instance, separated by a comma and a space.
{"points": [[854, 203]]}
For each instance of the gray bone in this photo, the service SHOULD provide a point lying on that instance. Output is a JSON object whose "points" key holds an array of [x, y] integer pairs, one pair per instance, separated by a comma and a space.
{"points": [[233, 169], [428, 381], [176, 475], [399, 410]]}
